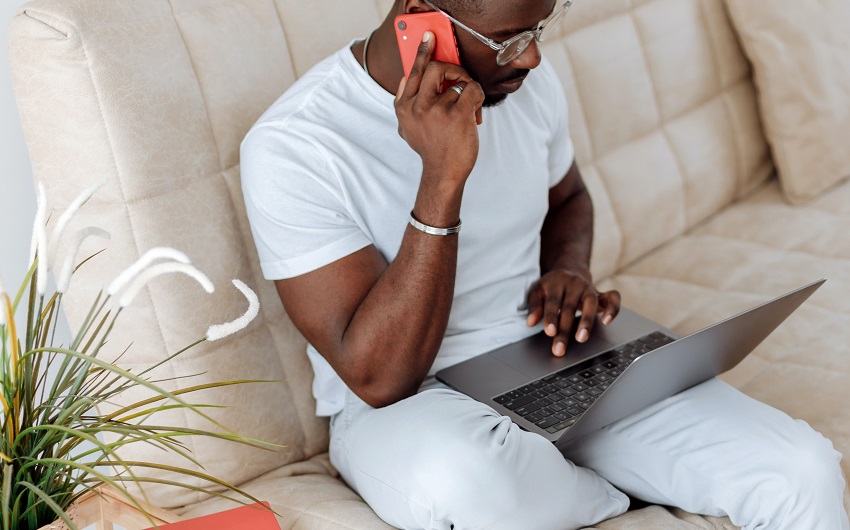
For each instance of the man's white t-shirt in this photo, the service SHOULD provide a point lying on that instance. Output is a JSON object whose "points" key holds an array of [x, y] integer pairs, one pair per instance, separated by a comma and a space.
{"points": [[325, 173]]}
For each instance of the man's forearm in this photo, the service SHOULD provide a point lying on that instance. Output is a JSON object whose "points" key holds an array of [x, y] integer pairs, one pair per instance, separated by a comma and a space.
{"points": [[397, 330], [567, 235]]}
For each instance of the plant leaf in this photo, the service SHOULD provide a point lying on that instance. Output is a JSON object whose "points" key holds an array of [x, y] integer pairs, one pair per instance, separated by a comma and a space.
{"points": [[60, 513]]}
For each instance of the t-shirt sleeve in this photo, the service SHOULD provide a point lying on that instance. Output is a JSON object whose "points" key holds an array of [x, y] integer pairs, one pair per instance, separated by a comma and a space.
{"points": [[295, 206], [561, 150]]}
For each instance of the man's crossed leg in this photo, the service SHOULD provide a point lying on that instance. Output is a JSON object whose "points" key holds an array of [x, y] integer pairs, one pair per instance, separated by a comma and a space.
{"points": [[440, 460]]}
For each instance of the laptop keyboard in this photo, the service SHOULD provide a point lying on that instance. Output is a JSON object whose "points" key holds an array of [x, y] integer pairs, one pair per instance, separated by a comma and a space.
{"points": [[556, 401]]}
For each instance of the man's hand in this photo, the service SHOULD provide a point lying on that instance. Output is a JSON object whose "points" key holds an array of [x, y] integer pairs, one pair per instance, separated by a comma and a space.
{"points": [[440, 127], [558, 295]]}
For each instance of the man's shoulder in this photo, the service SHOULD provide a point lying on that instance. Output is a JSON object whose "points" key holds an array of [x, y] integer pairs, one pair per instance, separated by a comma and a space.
{"points": [[302, 98]]}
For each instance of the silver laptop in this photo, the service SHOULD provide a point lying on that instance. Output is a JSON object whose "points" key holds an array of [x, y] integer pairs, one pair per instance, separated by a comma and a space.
{"points": [[623, 368]]}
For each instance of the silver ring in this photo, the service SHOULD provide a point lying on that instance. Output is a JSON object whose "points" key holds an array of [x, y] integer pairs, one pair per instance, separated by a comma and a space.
{"points": [[457, 88]]}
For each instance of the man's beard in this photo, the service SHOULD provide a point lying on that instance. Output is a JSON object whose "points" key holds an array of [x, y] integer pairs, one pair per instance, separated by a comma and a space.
{"points": [[492, 101]]}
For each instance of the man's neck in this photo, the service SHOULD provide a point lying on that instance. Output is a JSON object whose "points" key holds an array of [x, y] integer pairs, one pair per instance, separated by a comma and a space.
{"points": [[384, 62]]}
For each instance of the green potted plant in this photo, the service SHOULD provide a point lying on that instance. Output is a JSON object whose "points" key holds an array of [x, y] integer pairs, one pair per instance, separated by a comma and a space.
{"points": [[53, 446]]}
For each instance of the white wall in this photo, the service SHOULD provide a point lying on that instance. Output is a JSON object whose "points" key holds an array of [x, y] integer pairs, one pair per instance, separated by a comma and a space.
{"points": [[17, 193], [17, 196]]}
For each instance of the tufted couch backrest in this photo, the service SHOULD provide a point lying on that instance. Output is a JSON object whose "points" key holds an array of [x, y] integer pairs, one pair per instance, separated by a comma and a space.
{"points": [[156, 95], [657, 87]]}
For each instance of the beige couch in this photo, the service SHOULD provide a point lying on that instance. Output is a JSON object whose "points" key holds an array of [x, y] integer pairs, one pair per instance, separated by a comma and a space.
{"points": [[691, 224]]}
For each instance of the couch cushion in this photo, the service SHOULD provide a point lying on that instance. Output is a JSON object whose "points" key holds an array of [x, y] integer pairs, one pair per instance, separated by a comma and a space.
{"points": [[801, 60], [658, 517], [305, 495], [663, 117]]}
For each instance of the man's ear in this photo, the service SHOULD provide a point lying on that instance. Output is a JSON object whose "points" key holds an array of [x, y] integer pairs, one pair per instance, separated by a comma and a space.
{"points": [[414, 6]]}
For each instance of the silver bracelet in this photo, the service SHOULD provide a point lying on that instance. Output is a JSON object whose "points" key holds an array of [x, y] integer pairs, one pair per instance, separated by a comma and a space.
{"points": [[433, 230]]}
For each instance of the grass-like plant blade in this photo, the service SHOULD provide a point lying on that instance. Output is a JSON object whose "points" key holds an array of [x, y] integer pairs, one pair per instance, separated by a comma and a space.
{"points": [[126, 374], [6, 495], [27, 278], [206, 386], [60, 513], [196, 474]]}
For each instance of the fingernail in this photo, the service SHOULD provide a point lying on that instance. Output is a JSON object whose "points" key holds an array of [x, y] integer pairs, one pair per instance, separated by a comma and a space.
{"points": [[582, 335], [426, 37], [560, 349], [551, 330], [529, 321], [607, 319]]}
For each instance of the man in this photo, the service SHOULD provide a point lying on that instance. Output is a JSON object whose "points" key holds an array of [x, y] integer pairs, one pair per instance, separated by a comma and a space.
{"points": [[386, 296]]}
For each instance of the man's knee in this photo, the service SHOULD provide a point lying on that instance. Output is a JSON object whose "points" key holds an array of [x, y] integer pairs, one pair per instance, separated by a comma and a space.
{"points": [[469, 480], [805, 484], [440, 460], [442, 453], [499, 476], [441, 474], [813, 466], [805, 461]]}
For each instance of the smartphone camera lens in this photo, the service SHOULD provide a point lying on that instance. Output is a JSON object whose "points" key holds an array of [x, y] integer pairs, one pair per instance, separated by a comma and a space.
{"points": [[402, 26]]}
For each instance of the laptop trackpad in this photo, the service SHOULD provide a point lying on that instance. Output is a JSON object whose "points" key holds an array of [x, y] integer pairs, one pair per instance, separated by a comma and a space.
{"points": [[534, 358]]}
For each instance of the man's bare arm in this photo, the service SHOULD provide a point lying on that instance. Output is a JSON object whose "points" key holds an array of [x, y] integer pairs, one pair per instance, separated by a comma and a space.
{"points": [[567, 234], [380, 325], [566, 284]]}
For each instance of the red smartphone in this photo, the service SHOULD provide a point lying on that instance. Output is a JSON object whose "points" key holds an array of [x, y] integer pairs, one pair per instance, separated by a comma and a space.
{"points": [[409, 29]]}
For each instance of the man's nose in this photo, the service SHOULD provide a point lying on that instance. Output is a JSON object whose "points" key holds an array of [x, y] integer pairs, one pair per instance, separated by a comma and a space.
{"points": [[529, 58]]}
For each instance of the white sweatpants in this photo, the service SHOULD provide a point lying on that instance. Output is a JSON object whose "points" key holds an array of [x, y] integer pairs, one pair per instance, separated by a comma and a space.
{"points": [[440, 460]]}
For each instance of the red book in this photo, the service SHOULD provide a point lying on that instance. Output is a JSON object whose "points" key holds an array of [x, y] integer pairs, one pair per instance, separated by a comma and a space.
{"points": [[251, 517]]}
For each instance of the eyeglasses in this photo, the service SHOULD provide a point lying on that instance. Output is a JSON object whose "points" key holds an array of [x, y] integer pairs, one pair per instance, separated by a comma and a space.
{"points": [[512, 48]]}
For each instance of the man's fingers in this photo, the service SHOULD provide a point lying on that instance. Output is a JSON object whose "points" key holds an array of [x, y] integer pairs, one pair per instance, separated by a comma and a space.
{"points": [[453, 73], [565, 324], [551, 308], [562, 296], [439, 75], [535, 306], [400, 90], [433, 80], [420, 64], [471, 99], [609, 302], [589, 306], [432, 76]]}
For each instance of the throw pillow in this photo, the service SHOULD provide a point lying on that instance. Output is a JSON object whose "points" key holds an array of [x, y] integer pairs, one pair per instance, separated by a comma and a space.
{"points": [[800, 51]]}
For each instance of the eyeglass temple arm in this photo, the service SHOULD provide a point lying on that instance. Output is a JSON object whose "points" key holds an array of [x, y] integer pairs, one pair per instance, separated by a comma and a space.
{"points": [[486, 40]]}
